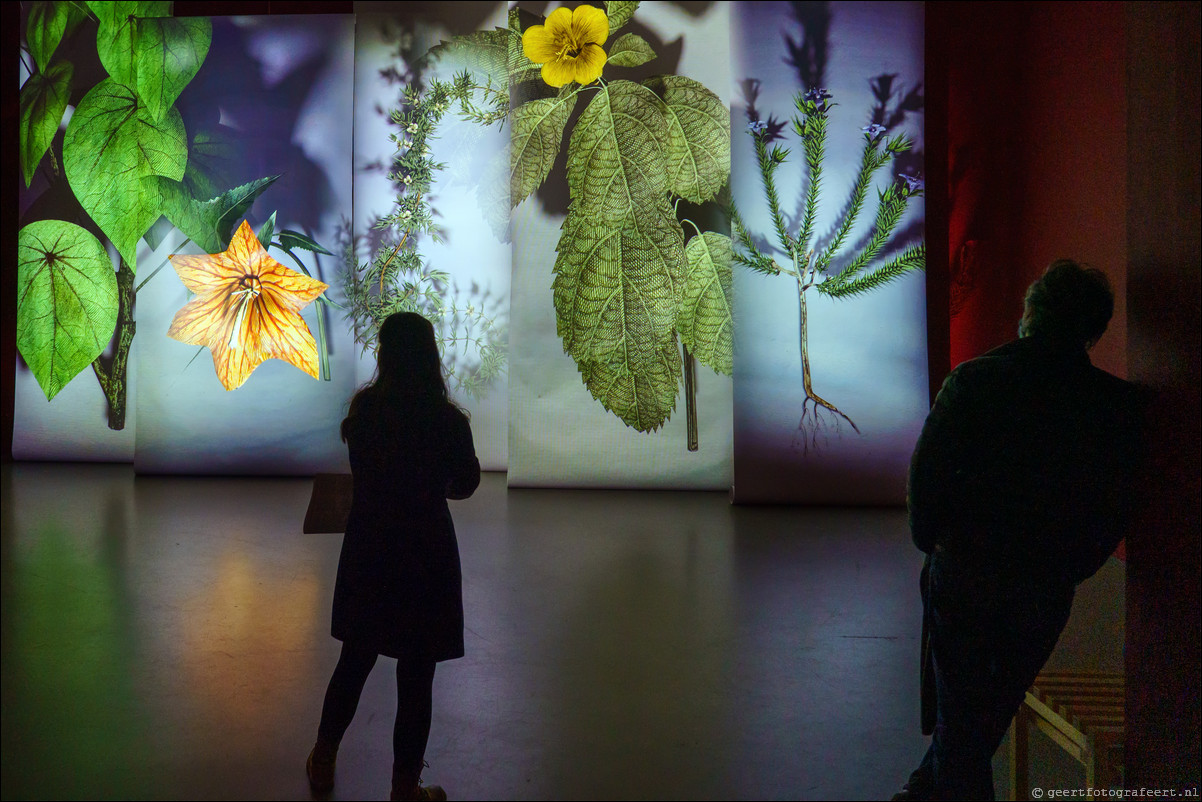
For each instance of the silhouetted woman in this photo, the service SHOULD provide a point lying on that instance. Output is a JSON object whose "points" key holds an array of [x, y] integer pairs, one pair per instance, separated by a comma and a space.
{"points": [[399, 590]]}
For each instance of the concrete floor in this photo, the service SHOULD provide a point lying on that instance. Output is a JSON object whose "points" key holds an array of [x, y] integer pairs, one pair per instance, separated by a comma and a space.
{"points": [[169, 638]]}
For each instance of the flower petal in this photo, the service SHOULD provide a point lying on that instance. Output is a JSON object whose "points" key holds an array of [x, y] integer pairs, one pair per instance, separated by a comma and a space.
{"points": [[559, 24], [290, 288], [558, 73], [203, 320], [281, 333], [590, 25], [589, 64], [538, 44]]}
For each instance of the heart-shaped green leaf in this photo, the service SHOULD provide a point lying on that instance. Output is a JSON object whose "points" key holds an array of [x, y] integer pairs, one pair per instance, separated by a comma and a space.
{"points": [[112, 144], [66, 301], [168, 53], [43, 101], [115, 38], [44, 30]]}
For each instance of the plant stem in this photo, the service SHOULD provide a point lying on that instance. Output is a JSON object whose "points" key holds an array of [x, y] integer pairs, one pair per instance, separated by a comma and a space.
{"points": [[112, 381], [690, 396], [805, 362]]}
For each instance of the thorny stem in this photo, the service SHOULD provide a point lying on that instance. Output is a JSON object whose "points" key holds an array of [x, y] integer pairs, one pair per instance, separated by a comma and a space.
{"points": [[112, 381]]}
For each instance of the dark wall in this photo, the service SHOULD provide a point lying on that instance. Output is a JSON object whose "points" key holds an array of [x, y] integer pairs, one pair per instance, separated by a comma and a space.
{"points": [[1037, 148], [1163, 233]]}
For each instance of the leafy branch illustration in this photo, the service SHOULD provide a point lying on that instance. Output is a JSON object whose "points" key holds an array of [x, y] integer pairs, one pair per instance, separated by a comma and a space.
{"points": [[813, 262], [126, 160], [397, 277], [635, 303]]}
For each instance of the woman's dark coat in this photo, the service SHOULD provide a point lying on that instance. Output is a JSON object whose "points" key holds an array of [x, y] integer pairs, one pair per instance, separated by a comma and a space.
{"points": [[399, 588]]}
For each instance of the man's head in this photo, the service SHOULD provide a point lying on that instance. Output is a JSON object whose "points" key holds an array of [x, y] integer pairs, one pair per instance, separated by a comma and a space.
{"points": [[1068, 303]]}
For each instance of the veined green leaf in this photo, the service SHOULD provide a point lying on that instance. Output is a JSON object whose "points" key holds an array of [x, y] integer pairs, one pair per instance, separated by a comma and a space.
{"points": [[207, 223], [111, 145], [115, 39], [483, 52], [630, 50], [617, 288], [698, 151], [44, 30], [168, 53], [266, 231], [619, 13], [295, 239], [537, 130], [43, 101], [705, 323], [66, 301], [644, 400], [616, 164]]}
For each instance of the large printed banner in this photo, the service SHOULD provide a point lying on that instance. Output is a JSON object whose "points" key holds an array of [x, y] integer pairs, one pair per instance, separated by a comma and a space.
{"points": [[663, 245], [830, 314]]}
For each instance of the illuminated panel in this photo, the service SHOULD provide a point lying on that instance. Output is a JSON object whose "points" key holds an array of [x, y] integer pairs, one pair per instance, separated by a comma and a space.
{"points": [[830, 375], [561, 434]]}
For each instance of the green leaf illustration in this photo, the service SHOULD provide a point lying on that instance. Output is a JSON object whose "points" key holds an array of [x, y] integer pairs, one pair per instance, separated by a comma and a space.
{"points": [[705, 323], [45, 29], [698, 153], [66, 301], [643, 400], [617, 288], [630, 50], [168, 53], [619, 13], [43, 101], [616, 165], [115, 39], [295, 239], [266, 231], [496, 54], [537, 130], [913, 258], [207, 223], [111, 145]]}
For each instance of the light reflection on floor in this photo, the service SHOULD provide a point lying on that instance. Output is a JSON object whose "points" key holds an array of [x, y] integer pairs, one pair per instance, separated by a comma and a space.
{"points": [[168, 638]]}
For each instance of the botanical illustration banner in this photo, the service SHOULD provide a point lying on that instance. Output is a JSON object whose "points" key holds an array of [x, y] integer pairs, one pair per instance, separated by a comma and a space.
{"points": [[830, 380], [662, 245]]}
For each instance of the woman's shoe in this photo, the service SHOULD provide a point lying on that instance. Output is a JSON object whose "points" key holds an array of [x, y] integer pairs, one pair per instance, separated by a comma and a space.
{"points": [[320, 768]]}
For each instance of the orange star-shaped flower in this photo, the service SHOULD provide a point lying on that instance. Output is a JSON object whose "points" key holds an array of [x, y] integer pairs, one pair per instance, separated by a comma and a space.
{"points": [[247, 309]]}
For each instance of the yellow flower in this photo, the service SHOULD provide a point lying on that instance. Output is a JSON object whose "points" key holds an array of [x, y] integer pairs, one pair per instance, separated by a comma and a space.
{"points": [[569, 45], [247, 309]]}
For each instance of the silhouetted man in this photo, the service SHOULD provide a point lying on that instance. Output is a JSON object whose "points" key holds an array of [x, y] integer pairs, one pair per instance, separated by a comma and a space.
{"points": [[1018, 491]]}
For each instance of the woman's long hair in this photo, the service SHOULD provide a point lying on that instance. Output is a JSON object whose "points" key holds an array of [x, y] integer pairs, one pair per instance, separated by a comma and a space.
{"points": [[408, 368]]}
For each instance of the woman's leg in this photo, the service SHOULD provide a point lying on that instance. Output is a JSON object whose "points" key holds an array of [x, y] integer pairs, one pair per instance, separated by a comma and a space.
{"points": [[415, 691], [342, 695]]}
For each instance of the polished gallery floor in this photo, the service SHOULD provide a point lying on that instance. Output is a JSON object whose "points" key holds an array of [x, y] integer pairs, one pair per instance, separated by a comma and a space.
{"points": [[169, 638]]}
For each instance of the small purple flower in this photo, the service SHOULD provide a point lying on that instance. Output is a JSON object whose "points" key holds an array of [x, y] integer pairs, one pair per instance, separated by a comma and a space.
{"points": [[873, 131], [817, 95], [757, 127], [913, 184]]}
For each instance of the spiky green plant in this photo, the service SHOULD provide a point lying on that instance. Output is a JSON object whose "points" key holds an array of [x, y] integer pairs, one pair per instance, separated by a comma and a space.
{"points": [[810, 260], [398, 278]]}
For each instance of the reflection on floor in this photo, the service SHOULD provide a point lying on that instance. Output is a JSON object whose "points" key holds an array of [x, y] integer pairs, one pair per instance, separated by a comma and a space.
{"points": [[168, 638]]}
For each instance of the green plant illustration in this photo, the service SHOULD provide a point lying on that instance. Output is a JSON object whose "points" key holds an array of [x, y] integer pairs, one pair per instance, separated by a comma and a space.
{"points": [[825, 264], [397, 277], [637, 296], [124, 161]]}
